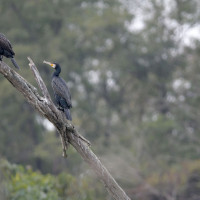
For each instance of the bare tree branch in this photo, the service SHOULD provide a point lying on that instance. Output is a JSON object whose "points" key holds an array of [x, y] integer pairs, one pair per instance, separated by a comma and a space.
{"points": [[39, 80], [68, 133]]}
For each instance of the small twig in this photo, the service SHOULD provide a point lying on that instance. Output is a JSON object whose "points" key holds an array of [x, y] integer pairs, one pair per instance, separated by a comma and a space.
{"points": [[82, 138], [71, 128], [64, 145]]}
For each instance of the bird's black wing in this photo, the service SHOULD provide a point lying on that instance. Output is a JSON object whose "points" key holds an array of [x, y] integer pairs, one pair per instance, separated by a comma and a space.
{"points": [[60, 88], [5, 44]]}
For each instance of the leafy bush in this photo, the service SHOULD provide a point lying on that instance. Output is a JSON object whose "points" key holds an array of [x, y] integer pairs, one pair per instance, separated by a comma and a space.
{"points": [[22, 183]]}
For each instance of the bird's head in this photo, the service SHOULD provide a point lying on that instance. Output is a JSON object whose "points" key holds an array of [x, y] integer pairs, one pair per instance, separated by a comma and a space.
{"points": [[53, 65], [56, 66]]}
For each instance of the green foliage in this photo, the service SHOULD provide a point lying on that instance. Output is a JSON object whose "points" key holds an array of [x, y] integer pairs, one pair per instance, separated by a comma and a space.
{"points": [[24, 183]]}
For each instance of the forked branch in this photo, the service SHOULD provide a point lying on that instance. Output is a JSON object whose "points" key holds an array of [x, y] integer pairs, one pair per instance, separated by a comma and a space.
{"points": [[45, 106]]}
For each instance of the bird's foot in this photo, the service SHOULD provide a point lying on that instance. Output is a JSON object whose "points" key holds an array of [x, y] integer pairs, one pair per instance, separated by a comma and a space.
{"points": [[60, 108]]}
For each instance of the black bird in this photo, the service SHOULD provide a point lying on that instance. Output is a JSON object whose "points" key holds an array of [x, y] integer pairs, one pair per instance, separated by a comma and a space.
{"points": [[6, 50], [61, 91]]}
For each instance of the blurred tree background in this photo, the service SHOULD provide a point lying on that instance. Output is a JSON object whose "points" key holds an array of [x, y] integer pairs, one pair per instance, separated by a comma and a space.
{"points": [[133, 71]]}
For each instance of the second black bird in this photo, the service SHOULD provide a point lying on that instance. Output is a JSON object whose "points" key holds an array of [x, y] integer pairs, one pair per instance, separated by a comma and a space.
{"points": [[6, 50], [61, 91]]}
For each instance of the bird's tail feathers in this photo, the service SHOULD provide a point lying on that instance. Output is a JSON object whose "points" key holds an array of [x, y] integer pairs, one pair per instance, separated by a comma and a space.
{"points": [[15, 63], [68, 114]]}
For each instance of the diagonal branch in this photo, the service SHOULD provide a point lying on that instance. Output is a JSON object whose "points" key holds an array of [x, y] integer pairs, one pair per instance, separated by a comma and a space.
{"points": [[69, 134]]}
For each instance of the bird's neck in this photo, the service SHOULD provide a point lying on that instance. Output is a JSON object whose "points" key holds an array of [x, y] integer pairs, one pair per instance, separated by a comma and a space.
{"points": [[57, 72]]}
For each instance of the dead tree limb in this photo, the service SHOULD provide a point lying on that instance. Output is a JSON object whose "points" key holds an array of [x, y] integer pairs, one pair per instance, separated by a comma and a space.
{"points": [[45, 106]]}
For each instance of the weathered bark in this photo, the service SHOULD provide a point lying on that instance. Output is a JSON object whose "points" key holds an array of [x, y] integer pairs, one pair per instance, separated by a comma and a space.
{"points": [[45, 106]]}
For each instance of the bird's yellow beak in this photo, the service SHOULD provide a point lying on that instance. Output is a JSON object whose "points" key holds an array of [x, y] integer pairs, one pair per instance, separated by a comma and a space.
{"points": [[49, 63]]}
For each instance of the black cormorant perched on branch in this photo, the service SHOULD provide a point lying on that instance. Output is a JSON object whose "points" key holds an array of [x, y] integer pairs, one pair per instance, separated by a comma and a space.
{"points": [[6, 50], [61, 91]]}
